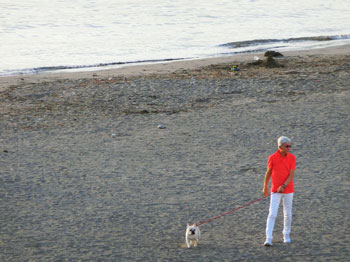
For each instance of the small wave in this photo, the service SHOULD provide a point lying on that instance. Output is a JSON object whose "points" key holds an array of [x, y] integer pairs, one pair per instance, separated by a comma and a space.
{"points": [[43, 69], [258, 42]]}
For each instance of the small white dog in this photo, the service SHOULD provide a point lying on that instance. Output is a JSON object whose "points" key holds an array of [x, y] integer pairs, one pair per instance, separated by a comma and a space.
{"points": [[192, 235]]}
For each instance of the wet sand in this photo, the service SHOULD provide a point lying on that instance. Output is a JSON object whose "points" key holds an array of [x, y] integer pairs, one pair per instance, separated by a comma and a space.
{"points": [[87, 175]]}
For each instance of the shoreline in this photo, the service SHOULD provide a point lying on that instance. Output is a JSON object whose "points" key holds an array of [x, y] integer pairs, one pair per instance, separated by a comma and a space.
{"points": [[162, 68]]}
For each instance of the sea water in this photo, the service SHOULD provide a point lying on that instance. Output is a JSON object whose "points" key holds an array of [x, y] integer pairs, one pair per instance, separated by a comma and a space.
{"points": [[51, 35]]}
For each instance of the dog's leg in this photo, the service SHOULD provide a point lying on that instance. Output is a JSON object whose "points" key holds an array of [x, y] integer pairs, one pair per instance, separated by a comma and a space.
{"points": [[188, 242], [195, 243]]}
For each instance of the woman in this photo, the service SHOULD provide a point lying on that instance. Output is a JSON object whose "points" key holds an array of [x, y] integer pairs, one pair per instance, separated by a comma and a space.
{"points": [[280, 168]]}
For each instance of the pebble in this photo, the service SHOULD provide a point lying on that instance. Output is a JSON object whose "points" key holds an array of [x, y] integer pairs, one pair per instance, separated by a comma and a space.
{"points": [[161, 126]]}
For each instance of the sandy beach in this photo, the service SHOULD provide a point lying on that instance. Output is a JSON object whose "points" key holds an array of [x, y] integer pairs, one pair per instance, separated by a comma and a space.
{"points": [[88, 175]]}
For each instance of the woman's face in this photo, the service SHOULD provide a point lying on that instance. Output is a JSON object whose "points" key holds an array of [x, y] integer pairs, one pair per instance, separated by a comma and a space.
{"points": [[285, 148]]}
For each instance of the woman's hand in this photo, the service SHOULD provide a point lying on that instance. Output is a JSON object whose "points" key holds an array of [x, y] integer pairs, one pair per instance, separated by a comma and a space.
{"points": [[265, 191], [280, 189]]}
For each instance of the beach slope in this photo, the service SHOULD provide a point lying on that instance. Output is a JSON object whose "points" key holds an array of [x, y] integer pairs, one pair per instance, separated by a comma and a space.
{"points": [[87, 174]]}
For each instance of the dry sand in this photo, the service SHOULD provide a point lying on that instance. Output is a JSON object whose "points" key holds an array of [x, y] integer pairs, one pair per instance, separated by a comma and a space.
{"points": [[87, 175]]}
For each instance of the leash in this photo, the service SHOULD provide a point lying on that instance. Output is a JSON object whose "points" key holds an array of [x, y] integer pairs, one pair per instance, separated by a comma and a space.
{"points": [[233, 210]]}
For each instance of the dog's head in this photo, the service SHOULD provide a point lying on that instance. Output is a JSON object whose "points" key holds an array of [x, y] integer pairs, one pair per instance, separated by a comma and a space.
{"points": [[192, 229]]}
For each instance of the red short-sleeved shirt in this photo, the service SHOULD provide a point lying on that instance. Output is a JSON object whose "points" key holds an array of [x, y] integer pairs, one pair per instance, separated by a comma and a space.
{"points": [[281, 167]]}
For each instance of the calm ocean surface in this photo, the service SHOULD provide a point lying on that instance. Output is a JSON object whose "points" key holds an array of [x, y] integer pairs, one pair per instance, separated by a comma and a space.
{"points": [[52, 35]]}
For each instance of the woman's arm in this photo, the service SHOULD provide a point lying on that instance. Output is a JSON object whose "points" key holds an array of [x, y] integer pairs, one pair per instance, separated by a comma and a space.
{"points": [[289, 178], [266, 181]]}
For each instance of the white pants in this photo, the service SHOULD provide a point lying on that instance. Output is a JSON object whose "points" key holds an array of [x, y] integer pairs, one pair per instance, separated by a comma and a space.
{"points": [[275, 200]]}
